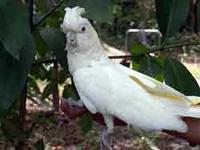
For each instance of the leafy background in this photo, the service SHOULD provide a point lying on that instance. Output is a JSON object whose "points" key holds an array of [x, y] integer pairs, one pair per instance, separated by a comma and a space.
{"points": [[32, 48]]}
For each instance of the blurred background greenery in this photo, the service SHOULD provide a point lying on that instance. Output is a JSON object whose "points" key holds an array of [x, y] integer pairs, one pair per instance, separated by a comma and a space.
{"points": [[33, 65]]}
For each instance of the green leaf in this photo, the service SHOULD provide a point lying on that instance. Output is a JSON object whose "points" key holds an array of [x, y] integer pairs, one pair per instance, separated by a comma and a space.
{"points": [[62, 76], [56, 18], [13, 74], [171, 15], [177, 76], [85, 123], [151, 66], [41, 46], [99, 10], [33, 84], [38, 72], [137, 48], [41, 5], [55, 40], [69, 91], [47, 90], [14, 26]]}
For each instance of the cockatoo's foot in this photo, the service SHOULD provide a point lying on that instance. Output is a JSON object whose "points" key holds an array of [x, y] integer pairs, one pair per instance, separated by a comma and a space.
{"points": [[106, 141]]}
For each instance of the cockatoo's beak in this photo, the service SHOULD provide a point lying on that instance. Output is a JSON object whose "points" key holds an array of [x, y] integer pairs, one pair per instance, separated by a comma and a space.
{"points": [[71, 39]]}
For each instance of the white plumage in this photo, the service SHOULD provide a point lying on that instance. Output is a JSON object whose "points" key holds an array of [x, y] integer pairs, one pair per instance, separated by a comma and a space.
{"points": [[114, 90]]}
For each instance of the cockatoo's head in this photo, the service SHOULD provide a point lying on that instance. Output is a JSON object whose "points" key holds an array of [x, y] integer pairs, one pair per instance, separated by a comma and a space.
{"points": [[80, 35]]}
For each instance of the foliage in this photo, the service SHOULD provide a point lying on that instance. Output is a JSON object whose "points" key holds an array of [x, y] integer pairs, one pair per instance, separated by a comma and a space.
{"points": [[85, 123], [175, 12], [98, 9], [55, 41], [16, 51], [35, 39], [14, 28], [178, 77]]}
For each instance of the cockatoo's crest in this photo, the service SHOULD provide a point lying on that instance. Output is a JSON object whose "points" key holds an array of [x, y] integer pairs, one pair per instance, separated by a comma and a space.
{"points": [[76, 11], [73, 18]]}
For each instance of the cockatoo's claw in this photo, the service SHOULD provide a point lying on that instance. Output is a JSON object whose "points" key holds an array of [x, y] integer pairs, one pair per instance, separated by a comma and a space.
{"points": [[105, 141]]}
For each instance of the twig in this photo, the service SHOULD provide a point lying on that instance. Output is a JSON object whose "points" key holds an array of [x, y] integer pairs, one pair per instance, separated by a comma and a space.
{"points": [[155, 49], [48, 61], [162, 48], [55, 92], [120, 57], [151, 50], [33, 100], [47, 14], [22, 115], [172, 46]]}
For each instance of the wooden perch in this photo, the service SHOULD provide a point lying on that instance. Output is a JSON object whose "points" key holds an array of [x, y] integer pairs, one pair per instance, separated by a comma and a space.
{"points": [[75, 111], [192, 135]]}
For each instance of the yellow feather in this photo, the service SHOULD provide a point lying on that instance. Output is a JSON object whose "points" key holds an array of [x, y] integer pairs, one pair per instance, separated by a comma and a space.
{"points": [[160, 90], [195, 100]]}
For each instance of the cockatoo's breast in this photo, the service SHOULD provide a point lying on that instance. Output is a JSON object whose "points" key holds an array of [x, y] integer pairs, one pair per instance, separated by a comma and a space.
{"points": [[78, 61]]}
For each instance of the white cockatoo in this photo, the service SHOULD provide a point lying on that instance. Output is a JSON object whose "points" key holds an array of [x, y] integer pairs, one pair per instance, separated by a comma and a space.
{"points": [[114, 90]]}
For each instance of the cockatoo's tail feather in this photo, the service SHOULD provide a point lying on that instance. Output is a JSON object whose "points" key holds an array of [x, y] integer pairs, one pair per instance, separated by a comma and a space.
{"points": [[195, 100]]}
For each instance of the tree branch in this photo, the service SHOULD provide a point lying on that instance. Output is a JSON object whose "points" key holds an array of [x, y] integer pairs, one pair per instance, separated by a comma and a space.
{"points": [[151, 50], [47, 14], [155, 49], [173, 46]]}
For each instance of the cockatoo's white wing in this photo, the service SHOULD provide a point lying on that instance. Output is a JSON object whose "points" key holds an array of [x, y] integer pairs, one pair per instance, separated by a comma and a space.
{"points": [[107, 89], [153, 86], [173, 99]]}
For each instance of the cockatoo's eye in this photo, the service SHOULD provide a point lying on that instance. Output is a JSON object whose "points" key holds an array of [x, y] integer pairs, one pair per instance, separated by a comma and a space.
{"points": [[83, 28]]}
